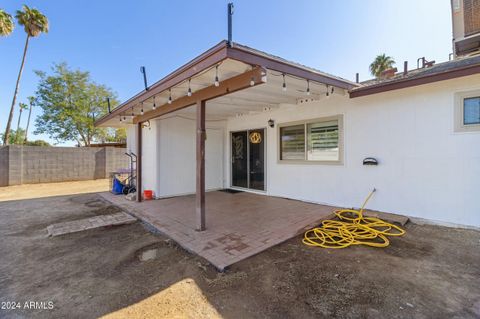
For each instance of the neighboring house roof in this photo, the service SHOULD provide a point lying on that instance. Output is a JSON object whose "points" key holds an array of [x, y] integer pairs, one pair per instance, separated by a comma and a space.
{"points": [[442, 71]]}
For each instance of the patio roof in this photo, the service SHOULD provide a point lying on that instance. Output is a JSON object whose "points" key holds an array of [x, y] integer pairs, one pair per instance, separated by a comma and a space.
{"points": [[226, 62]]}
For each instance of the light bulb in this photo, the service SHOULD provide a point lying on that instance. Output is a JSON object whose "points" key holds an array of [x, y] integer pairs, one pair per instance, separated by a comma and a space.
{"points": [[308, 87], [189, 93], [284, 86], [252, 82], [154, 105], [170, 96], [216, 76]]}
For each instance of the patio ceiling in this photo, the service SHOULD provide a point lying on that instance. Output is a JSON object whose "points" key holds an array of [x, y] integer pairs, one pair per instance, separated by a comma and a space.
{"points": [[229, 64]]}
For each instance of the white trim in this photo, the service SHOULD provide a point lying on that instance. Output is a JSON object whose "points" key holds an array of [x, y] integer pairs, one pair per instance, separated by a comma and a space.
{"points": [[458, 112]]}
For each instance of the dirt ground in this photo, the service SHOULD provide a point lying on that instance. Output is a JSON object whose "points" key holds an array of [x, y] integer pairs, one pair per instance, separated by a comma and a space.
{"points": [[431, 272], [30, 191]]}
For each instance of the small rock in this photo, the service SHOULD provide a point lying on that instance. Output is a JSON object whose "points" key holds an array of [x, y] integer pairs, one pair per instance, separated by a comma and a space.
{"points": [[336, 275], [401, 307], [201, 266], [410, 305]]}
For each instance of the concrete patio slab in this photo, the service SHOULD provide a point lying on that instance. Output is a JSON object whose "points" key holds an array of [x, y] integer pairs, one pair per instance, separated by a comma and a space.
{"points": [[89, 223], [238, 225]]}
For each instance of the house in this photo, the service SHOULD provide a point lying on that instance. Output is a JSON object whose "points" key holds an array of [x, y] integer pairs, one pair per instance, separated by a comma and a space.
{"points": [[242, 119]]}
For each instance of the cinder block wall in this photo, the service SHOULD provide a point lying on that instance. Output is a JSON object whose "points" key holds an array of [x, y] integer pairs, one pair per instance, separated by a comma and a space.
{"points": [[38, 164], [3, 165]]}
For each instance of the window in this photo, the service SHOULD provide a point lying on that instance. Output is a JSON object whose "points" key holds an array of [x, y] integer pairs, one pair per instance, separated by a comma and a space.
{"points": [[467, 111], [293, 142], [322, 141], [317, 140], [471, 110]]}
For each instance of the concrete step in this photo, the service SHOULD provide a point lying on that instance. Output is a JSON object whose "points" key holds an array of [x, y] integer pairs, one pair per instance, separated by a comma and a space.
{"points": [[89, 223]]}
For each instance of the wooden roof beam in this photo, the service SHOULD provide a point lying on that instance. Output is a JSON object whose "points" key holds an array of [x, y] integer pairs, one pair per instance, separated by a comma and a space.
{"points": [[233, 84]]}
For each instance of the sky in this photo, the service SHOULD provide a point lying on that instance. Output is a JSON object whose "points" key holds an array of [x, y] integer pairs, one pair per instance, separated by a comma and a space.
{"points": [[112, 38]]}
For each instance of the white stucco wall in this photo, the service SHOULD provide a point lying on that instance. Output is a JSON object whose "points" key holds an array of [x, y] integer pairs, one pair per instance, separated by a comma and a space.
{"points": [[425, 169], [169, 154]]}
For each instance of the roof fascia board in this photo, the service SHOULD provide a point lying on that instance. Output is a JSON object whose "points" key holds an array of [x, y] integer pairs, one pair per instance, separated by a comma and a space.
{"points": [[396, 85], [206, 60]]}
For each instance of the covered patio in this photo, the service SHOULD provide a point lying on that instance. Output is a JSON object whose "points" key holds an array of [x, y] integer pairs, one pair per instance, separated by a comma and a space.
{"points": [[228, 80], [239, 224]]}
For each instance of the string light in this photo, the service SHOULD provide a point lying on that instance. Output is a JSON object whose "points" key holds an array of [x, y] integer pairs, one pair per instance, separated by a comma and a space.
{"points": [[141, 110], [284, 86], [170, 96], [216, 76], [327, 94], [120, 118], [252, 81], [189, 93], [308, 87], [154, 105], [124, 118], [132, 112], [333, 89]]}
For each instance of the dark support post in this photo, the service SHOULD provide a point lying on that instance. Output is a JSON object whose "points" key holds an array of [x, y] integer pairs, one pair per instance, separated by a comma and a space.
{"points": [[230, 14], [139, 162], [200, 189]]}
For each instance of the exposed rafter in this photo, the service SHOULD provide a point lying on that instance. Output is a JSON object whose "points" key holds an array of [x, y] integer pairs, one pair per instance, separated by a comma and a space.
{"points": [[236, 83]]}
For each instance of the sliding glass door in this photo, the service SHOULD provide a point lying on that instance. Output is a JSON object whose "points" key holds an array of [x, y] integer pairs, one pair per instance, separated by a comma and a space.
{"points": [[248, 159]]}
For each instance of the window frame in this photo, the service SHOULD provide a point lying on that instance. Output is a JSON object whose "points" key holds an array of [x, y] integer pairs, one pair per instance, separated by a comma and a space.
{"points": [[459, 112], [338, 118]]}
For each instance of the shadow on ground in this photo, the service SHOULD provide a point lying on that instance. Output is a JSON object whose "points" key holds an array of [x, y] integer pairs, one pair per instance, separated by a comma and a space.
{"points": [[127, 271]]}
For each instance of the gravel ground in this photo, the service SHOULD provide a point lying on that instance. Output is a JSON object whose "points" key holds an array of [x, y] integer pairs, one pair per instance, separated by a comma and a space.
{"points": [[129, 272]]}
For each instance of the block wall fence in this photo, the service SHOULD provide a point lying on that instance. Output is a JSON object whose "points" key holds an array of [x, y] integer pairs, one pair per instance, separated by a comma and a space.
{"points": [[42, 164]]}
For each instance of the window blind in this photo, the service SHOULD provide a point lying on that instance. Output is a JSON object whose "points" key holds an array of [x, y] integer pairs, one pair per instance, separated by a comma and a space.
{"points": [[292, 142], [322, 141]]}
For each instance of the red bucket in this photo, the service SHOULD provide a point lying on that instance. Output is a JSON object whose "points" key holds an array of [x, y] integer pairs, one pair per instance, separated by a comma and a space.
{"points": [[147, 194]]}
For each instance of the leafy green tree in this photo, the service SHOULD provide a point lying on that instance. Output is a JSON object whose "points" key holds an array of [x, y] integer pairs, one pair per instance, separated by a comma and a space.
{"points": [[34, 23], [6, 23], [15, 135], [112, 135], [70, 102], [381, 63], [37, 143]]}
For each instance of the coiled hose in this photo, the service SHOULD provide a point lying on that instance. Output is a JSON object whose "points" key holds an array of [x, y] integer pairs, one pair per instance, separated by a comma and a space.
{"points": [[352, 228]]}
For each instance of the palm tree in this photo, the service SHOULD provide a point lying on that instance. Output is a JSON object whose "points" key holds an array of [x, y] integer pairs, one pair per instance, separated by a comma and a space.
{"points": [[22, 106], [34, 23], [381, 63], [31, 101], [6, 23]]}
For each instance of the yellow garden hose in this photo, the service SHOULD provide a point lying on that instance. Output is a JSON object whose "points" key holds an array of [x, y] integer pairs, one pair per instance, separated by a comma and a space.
{"points": [[352, 228]]}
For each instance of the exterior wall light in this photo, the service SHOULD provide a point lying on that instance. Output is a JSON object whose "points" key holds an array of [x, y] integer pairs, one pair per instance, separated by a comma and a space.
{"points": [[271, 123]]}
